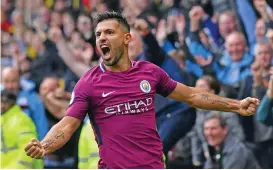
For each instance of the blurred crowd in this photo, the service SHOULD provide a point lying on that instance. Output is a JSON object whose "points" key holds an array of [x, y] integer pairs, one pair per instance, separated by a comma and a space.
{"points": [[224, 47]]}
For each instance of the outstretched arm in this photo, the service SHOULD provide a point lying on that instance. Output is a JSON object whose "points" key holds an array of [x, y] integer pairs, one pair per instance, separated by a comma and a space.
{"points": [[204, 100], [58, 135]]}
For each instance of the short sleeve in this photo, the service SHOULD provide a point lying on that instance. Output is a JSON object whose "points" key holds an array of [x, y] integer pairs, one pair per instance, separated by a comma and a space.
{"points": [[165, 85], [78, 106]]}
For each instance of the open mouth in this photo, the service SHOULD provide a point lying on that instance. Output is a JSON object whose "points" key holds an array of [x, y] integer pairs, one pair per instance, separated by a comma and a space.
{"points": [[105, 50]]}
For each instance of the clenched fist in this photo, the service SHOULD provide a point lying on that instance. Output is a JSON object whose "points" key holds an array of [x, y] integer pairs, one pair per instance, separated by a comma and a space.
{"points": [[196, 13], [248, 106], [34, 149]]}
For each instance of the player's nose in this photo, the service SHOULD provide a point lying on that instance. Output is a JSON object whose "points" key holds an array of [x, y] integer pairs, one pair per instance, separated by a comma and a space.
{"points": [[102, 38]]}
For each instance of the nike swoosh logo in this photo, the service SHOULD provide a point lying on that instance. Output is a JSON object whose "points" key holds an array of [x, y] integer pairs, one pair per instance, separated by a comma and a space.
{"points": [[107, 94]]}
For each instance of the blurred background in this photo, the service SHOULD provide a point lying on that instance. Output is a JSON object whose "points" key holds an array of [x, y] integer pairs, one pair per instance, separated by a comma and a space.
{"points": [[221, 46]]}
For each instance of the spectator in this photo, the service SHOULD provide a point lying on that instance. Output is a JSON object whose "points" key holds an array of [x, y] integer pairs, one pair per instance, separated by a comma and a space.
{"points": [[169, 113], [261, 68], [265, 12], [260, 31], [44, 15], [202, 49], [256, 85], [48, 63], [263, 135], [56, 102], [85, 27], [234, 66], [76, 54], [88, 148], [56, 19], [227, 24], [68, 24], [27, 99], [6, 59], [208, 83], [60, 5], [17, 18], [225, 151], [17, 129]]}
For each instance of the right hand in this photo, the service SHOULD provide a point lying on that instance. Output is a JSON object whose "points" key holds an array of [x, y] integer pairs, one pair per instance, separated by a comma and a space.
{"points": [[55, 34], [260, 5], [34, 149], [161, 33], [196, 13]]}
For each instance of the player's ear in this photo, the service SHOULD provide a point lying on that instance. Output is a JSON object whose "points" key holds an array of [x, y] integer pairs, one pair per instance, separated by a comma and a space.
{"points": [[127, 38]]}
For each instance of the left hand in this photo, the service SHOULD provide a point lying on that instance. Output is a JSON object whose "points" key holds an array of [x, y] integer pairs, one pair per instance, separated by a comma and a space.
{"points": [[248, 106]]}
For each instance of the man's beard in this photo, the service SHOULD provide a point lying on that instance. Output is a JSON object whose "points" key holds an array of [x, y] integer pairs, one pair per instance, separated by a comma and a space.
{"points": [[116, 58]]}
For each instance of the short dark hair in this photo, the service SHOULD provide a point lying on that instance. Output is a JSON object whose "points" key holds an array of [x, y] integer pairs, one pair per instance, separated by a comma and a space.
{"points": [[112, 15], [213, 83], [216, 115]]}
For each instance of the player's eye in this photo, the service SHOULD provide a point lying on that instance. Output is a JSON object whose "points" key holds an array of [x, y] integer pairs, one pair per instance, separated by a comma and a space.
{"points": [[110, 32], [98, 34]]}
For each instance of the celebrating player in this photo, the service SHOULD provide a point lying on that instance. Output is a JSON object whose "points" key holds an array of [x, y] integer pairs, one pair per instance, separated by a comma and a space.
{"points": [[118, 96]]}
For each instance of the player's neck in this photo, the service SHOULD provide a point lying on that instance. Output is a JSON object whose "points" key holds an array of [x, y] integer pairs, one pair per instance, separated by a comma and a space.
{"points": [[123, 65]]}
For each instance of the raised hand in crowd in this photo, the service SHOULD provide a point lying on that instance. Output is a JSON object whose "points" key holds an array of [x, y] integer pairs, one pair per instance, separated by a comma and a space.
{"points": [[261, 7], [161, 32], [195, 14], [171, 19], [180, 24], [65, 52]]}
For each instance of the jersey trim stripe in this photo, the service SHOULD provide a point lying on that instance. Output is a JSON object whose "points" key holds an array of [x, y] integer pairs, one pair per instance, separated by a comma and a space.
{"points": [[101, 67]]}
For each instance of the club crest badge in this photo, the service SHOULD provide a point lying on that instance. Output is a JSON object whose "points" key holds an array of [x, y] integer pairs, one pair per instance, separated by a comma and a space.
{"points": [[145, 86]]}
